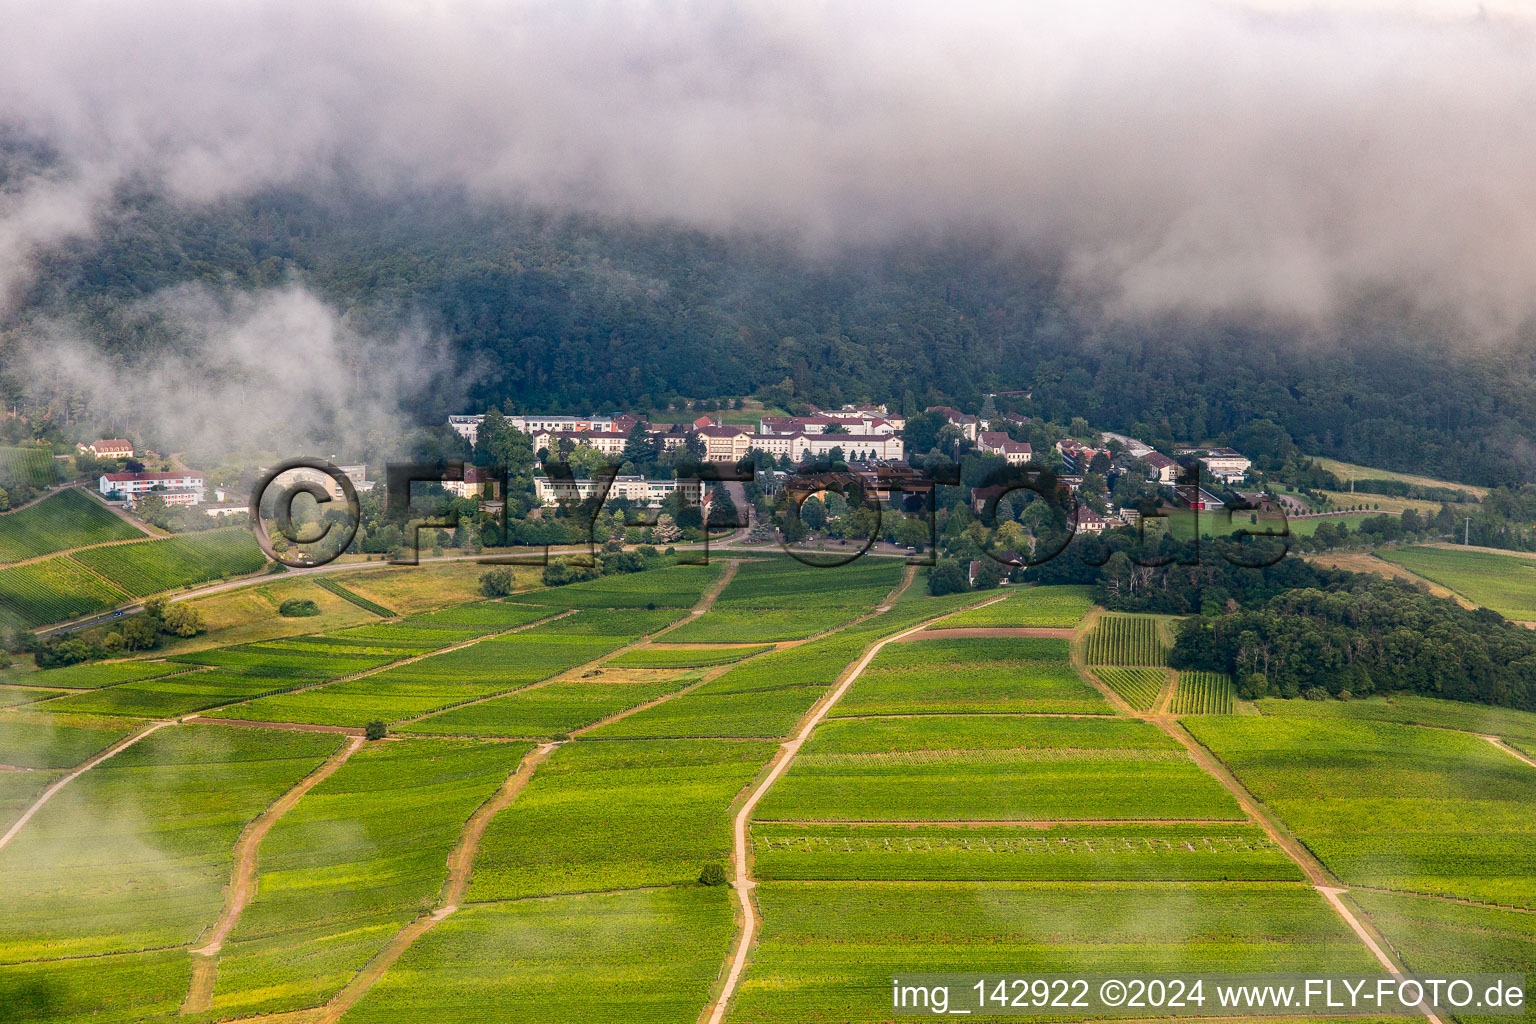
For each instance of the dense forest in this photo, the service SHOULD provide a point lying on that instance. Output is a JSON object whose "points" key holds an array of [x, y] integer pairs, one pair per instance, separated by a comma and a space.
{"points": [[560, 313]]}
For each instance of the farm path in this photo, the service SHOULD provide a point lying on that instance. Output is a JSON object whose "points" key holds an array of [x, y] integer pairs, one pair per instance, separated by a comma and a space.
{"points": [[70, 552], [344, 730], [243, 878], [413, 658], [460, 864], [1010, 822], [242, 883], [705, 603], [1511, 751], [49, 793], [1321, 878], [744, 883], [968, 632]]}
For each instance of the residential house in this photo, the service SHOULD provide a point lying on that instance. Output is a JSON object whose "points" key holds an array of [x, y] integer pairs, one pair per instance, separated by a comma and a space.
{"points": [[969, 425], [997, 442], [1164, 469], [116, 448]]}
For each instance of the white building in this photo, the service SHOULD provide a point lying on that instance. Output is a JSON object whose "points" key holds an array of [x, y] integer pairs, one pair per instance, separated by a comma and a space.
{"points": [[636, 488], [467, 425], [1225, 464], [174, 488], [1164, 469], [608, 442]]}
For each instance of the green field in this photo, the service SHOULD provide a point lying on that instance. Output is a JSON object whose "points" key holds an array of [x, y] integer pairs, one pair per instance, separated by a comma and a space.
{"points": [[828, 950], [1138, 686], [52, 590], [1126, 640], [363, 853], [93, 674], [552, 709], [1056, 607], [937, 674], [782, 599], [678, 586], [495, 665], [355, 598], [993, 768], [1518, 727], [1392, 806], [617, 815], [136, 853], [33, 466], [153, 566], [645, 957], [1013, 853], [1434, 936], [685, 657], [14, 696], [1505, 583], [43, 741], [1203, 693], [68, 519], [128, 987]]}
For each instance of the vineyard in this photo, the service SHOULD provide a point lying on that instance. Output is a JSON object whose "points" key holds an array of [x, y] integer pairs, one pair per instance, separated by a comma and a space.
{"points": [[52, 590], [1051, 607], [32, 466], [1127, 640], [155, 566], [1203, 693], [1138, 686], [68, 519], [358, 599]]}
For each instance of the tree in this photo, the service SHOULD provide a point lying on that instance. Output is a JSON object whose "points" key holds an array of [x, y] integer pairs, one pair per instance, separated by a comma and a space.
{"points": [[141, 633], [665, 530], [813, 514], [947, 578], [722, 508], [183, 620], [496, 583], [713, 874], [375, 730], [641, 448]]}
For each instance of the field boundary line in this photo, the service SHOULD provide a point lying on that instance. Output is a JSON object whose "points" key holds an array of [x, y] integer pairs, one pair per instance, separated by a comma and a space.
{"points": [[702, 605], [1318, 873], [96, 759], [1037, 823], [411, 660], [1511, 751], [243, 878], [1442, 897], [787, 752], [460, 863]]}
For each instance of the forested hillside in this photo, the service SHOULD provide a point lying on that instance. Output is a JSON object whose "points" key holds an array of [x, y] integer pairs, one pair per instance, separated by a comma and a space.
{"points": [[565, 314]]}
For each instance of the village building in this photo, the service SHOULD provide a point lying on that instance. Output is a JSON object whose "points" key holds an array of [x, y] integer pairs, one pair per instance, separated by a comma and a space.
{"points": [[116, 448], [996, 442], [173, 488]]}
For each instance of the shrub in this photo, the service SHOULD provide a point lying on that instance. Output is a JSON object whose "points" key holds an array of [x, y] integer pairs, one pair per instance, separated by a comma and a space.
{"points": [[713, 874], [295, 608], [375, 730], [496, 583]]}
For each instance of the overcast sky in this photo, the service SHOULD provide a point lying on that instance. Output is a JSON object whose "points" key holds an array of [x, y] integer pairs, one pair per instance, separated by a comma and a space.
{"points": [[1184, 154]]}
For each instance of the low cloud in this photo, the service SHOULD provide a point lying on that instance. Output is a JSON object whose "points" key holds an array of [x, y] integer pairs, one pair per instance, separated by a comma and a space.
{"points": [[1186, 156], [274, 370]]}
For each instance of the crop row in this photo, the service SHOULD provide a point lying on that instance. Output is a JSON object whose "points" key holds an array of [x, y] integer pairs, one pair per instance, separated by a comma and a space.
{"points": [[52, 590], [153, 566], [68, 519], [1126, 640], [352, 596], [1137, 685], [364, 852], [1057, 607], [33, 466], [1203, 693]]}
